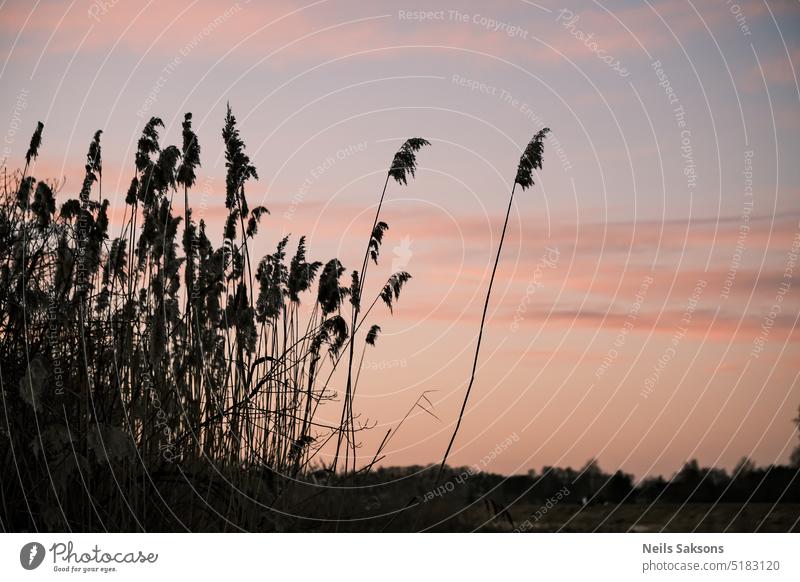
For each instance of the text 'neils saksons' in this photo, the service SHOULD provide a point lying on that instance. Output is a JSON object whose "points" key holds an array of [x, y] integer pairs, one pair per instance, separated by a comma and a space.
{"points": [[664, 548]]}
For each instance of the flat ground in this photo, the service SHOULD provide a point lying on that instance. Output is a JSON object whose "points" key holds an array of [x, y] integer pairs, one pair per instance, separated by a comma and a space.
{"points": [[668, 517], [446, 515]]}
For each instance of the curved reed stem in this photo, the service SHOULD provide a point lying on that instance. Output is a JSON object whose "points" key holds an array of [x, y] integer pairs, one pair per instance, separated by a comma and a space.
{"points": [[480, 338]]}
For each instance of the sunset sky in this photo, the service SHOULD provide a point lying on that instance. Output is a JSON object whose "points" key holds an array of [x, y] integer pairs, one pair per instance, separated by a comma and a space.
{"points": [[632, 317]]}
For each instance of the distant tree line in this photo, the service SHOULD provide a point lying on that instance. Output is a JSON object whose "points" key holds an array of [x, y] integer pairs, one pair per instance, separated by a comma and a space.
{"points": [[746, 483]]}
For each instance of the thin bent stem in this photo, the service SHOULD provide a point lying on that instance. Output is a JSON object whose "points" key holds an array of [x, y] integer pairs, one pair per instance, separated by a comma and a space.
{"points": [[346, 419], [480, 337]]}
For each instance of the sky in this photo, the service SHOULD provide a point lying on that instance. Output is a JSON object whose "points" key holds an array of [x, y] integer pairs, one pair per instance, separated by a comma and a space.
{"points": [[645, 310]]}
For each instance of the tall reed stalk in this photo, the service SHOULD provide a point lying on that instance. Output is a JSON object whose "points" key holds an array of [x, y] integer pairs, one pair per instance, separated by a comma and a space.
{"points": [[531, 159], [404, 164]]}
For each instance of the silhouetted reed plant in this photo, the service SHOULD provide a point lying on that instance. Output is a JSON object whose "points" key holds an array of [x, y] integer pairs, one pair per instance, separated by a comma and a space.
{"points": [[153, 381], [135, 361], [531, 159]]}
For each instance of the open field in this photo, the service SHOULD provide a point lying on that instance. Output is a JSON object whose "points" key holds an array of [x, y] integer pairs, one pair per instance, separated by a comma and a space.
{"points": [[666, 517], [400, 507], [633, 517]]}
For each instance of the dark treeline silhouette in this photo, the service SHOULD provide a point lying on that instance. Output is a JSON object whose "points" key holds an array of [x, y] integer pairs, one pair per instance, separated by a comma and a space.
{"points": [[467, 499], [692, 484]]}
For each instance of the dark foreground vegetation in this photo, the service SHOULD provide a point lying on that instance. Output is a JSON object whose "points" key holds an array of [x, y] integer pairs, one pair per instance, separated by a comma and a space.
{"points": [[144, 369], [152, 380]]}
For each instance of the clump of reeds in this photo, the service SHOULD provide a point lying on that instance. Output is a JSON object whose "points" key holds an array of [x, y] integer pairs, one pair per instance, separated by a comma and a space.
{"points": [[131, 361], [154, 380]]}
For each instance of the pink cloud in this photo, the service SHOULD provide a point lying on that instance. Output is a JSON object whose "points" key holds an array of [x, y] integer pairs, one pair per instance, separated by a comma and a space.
{"points": [[323, 30]]}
